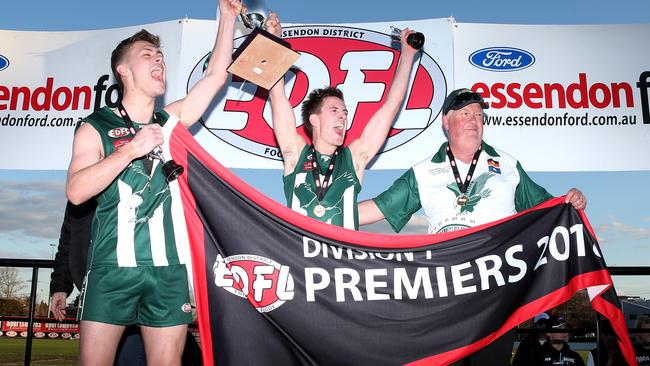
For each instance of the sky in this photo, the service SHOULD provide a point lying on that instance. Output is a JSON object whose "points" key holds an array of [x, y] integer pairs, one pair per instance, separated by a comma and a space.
{"points": [[618, 201]]}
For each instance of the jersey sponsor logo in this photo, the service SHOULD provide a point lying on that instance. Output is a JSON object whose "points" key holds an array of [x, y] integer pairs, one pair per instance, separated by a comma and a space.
{"points": [[118, 132], [502, 59], [121, 142], [4, 62], [450, 228], [361, 62], [265, 283], [437, 171]]}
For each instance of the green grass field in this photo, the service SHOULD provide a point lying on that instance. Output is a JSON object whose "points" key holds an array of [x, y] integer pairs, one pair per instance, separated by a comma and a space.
{"points": [[44, 351]]}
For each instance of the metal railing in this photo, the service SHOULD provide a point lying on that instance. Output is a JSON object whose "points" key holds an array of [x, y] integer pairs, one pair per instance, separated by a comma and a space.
{"points": [[35, 264]]}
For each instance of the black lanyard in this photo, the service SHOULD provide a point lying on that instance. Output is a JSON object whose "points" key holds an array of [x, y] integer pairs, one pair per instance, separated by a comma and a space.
{"points": [[147, 161], [315, 171], [127, 118], [462, 186]]}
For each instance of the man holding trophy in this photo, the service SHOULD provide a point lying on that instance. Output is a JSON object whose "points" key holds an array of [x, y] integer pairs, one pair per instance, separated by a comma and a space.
{"points": [[135, 274], [322, 179]]}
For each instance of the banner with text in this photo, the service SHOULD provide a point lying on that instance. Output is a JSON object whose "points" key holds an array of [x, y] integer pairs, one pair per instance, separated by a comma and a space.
{"points": [[301, 292]]}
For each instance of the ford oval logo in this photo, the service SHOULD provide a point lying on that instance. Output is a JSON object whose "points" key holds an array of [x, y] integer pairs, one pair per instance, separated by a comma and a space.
{"points": [[501, 59], [4, 62]]}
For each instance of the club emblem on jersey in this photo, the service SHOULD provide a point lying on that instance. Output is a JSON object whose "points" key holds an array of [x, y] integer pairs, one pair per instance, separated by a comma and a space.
{"points": [[310, 203], [474, 192]]}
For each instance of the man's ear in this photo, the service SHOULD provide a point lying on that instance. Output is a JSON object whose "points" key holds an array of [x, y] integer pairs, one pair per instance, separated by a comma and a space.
{"points": [[313, 118], [445, 123], [123, 71]]}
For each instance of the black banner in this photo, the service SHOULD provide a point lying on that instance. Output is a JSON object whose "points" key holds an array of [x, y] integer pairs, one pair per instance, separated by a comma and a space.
{"points": [[276, 288]]}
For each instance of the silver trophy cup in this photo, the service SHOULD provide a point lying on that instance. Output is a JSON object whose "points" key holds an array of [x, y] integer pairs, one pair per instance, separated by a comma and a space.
{"points": [[256, 13], [415, 40]]}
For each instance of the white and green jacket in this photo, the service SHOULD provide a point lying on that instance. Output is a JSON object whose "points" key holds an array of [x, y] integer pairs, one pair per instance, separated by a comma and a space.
{"points": [[499, 188]]}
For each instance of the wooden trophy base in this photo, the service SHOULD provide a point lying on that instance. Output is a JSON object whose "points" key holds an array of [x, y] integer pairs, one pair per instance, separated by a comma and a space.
{"points": [[262, 59]]}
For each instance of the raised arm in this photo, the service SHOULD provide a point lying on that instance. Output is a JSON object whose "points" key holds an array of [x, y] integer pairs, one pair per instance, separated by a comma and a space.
{"points": [[374, 134], [193, 105], [284, 120]]}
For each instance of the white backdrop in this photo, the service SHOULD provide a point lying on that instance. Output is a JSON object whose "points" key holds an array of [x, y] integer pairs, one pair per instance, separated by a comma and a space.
{"points": [[595, 67], [588, 78]]}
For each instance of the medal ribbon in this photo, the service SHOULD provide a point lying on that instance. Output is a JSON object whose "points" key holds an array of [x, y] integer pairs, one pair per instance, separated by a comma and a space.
{"points": [[315, 171], [462, 186], [148, 161]]}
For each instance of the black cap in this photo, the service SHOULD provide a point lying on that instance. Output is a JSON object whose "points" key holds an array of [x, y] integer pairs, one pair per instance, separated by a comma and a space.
{"points": [[556, 322], [460, 98]]}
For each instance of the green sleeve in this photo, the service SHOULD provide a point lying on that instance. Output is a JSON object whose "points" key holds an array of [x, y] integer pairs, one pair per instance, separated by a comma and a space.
{"points": [[400, 201], [528, 193]]}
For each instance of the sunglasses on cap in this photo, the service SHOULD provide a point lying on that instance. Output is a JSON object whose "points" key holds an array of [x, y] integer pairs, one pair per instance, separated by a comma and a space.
{"points": [[462, 98]]}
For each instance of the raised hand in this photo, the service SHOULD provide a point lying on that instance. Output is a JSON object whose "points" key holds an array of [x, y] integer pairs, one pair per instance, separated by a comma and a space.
{"points": [[231, 8], [273, 25], [406, 48]]}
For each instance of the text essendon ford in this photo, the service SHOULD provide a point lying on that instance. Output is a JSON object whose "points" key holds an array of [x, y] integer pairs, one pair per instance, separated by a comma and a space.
{"points": [[16, 100], [580, 95]]}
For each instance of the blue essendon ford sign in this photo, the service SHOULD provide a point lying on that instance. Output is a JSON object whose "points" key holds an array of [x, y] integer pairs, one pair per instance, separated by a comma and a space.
{"points": [[501, 59], [4, 62]]}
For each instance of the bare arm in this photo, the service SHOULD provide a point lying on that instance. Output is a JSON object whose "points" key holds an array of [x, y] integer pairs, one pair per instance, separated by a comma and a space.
{"points": [[193, 105], [369, 212], [90, 172], [374, 134], [284, 121]]}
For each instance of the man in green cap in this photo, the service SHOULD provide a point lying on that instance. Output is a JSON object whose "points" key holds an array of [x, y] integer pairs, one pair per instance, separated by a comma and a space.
{"points": [[465, 183]]}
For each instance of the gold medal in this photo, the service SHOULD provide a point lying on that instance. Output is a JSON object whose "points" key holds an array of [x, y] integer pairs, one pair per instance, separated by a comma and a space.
{"points": [[319, 211], [462, 200]]}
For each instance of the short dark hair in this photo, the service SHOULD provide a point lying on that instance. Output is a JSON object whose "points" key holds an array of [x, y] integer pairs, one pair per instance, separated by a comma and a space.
{"points": [[121, 49], [313, 105]]}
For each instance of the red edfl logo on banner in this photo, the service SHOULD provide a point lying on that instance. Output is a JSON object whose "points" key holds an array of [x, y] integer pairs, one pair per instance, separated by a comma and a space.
{"points": [[264, 282], [360, 62]]}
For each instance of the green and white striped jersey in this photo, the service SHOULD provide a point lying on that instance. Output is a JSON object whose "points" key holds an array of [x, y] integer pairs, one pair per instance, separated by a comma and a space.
{"points": [[133, 222], [340, 199]]}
